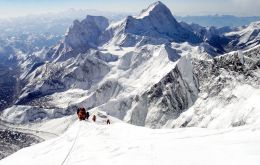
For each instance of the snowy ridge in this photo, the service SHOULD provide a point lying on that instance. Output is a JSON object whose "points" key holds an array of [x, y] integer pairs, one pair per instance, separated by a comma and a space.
{"points": [[165, 100], [146, 12], [246, 37], [89, 143]]}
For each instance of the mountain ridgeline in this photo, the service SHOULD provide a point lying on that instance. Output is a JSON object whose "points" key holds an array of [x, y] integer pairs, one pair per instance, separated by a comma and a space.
{"points": [[148, 70]]}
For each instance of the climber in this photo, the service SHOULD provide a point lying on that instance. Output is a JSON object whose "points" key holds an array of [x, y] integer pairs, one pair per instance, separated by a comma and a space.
{"points": [[87, 115], [81, 112], [108, 121], [94, 118]]}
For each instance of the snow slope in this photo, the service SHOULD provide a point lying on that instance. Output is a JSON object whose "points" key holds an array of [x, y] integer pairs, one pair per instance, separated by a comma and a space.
{"points": [[119, 143], [246, 37], [144, 87]]}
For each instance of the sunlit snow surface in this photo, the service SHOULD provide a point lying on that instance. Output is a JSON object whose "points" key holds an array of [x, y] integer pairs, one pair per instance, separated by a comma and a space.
{"points": [[119, 143]]}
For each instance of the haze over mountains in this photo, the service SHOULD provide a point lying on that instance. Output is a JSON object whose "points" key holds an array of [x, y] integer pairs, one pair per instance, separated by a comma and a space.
{"points": [[147, 70], [219, 20]]}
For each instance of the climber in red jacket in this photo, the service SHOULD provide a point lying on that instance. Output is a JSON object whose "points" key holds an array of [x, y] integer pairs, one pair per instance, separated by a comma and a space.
{"points": [[81, 112]]}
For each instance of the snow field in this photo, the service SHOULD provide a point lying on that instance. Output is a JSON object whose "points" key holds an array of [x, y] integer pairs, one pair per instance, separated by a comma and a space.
{"points": [[120, 143]]}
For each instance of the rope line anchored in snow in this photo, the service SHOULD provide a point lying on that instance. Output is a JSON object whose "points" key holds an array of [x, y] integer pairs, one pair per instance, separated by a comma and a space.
{"points": [[72, 146]]}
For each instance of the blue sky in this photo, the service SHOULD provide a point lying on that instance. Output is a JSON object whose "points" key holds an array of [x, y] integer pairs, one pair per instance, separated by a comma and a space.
{"points": [[179, 7]]}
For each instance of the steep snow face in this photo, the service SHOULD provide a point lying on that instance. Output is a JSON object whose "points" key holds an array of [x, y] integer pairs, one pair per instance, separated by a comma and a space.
{"points": [[229, 90], [81, 36], [80, 72], [167, 99], [85, 33], [179, 93], [214, 37], [157, 6], [119, 143], [246, 37], [129, 77], [154, 25], [106, 78], [202, 93]]}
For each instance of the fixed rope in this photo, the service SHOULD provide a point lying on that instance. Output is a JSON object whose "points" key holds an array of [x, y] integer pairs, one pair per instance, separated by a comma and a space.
{"points": [[72, 146]]}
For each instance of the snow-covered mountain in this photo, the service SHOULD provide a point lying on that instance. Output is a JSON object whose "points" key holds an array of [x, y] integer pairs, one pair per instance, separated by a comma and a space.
{"points": [[25, 40], [51, 23], [245, 37], [147, 83], [155, 25], [147, 70], [81, 36]]}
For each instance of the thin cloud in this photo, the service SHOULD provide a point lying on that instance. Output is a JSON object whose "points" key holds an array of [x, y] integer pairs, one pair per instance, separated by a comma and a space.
{"points": [[246, 7]]}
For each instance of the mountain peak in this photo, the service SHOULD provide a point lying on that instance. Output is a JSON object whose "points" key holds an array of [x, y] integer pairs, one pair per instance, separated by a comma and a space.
{"points": [[81, 36], [157, 7], [84, 34], [153, 23], [255, 24], [157, 4]]}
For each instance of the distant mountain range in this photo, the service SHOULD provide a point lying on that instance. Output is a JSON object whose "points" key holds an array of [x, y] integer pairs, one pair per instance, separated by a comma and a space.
{"points": [[219, 20]]}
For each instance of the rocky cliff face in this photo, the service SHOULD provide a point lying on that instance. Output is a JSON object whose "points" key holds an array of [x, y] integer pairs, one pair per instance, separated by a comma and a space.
{"points": [[81, 37], [166, 100], [245, 37], [80, 72], [12, 141], [193, 83], [229, 87]]}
